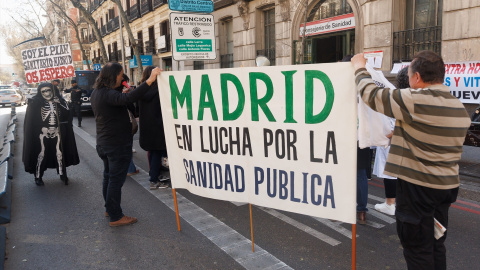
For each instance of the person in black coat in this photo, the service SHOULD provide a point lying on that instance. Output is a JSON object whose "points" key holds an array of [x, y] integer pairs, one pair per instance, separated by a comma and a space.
{"points": [[49, 141], [76, 98], [152, 136], [114, 134]]}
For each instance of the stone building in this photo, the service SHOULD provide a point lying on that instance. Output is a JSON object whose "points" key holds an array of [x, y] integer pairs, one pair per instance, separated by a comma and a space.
{"points": [[335, 28]]}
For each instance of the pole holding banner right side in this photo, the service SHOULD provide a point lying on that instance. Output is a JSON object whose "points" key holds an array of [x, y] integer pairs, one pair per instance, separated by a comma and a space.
{"points": [[354, 246]]}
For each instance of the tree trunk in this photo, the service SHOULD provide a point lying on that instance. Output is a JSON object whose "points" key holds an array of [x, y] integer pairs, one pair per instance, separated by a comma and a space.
{"points": [[96, 31], [131, 37], [75, 26]]}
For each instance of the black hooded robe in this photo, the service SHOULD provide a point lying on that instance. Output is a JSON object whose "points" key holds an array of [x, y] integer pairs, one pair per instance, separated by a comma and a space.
{"points": [[33, 126]]}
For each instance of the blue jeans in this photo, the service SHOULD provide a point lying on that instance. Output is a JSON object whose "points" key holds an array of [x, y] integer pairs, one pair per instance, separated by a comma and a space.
{"points": [[115, 162], [362, 190], [131, 167], [155, 162]]}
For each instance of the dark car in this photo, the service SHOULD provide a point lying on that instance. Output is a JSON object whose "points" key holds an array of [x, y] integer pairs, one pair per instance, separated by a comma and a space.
{"points": [[85, 80]]}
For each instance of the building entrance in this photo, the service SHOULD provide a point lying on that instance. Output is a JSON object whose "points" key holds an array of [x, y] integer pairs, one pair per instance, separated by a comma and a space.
{"points": [[333, 47]]}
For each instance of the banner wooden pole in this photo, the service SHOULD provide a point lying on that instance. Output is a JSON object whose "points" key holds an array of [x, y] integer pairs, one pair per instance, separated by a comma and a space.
{"points": [[354, 246], [176, 208], [251, 227]]}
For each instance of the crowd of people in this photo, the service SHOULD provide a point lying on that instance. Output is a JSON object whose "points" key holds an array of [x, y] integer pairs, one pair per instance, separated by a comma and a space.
{"points": [[419, 167]]}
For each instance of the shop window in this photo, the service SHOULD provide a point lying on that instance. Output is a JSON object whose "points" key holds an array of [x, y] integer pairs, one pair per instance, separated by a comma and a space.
{"points": [[423, 30]]}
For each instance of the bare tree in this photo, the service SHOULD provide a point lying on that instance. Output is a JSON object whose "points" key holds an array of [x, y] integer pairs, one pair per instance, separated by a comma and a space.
{"points": [[61, 12], [88, 17], [130, 36]]}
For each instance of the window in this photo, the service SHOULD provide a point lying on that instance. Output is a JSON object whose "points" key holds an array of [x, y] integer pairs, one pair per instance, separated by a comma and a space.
{"points": [[329, 8], [164, 31], [424, 13], [226, 41], [423, 30], [269, 31]]}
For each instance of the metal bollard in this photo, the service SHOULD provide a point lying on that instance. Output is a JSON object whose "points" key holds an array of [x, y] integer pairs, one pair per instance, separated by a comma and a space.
{"points": [[13, 112]]}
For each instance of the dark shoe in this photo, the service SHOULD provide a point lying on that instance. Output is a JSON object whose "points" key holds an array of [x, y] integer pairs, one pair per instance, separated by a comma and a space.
{"points": [[125, 220], [362, 218], [79, 124], [64, 178], [39, 182]]}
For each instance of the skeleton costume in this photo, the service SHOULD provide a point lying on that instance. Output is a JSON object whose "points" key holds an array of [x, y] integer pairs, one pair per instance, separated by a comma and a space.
{"points": [[49, 141]]}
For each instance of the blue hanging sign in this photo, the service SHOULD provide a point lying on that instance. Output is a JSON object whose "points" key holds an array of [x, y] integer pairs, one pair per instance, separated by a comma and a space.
{"points": [[146, 61], [199, 6]]}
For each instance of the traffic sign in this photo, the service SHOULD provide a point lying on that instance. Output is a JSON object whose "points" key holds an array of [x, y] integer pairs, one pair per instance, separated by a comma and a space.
{"points": [[200, 6], [97, 66], [193, 36]]}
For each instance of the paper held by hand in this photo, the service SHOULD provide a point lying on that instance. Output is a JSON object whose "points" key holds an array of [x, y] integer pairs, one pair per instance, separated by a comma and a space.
{"points": [[439, 229]]}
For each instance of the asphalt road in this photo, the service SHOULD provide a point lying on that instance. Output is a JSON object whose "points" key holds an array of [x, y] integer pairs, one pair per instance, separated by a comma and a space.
{"points": [[63, 227]]}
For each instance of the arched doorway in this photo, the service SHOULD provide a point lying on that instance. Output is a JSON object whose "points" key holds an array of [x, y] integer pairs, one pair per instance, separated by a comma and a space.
{"points": [[330, 32]]}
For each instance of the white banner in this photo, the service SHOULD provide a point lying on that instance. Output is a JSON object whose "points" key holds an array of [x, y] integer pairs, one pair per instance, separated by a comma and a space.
{"points": [[329, 25], [282, 137], [463, 79], [48, 63]]}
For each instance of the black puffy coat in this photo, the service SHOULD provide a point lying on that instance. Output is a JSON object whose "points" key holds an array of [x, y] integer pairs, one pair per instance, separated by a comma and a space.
{"points": [[152, 135]]}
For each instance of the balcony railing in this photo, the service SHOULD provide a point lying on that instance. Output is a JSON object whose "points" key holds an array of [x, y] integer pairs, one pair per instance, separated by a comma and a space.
{"points": [[115, 23], [157, 3], [269, 53], [92, 38], [95, 5], [150, 47], [112, 57], [226, 61], [134, 13], [409, 42], [109, 26], [103, 30], [145, 6], [167, 45]]}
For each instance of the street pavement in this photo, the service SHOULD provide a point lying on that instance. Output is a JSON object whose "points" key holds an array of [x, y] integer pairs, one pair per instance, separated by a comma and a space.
{"points": [[63, 227]]}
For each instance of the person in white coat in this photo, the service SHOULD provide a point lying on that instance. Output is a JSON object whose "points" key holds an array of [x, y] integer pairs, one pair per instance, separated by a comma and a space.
{"points": [[390, 183]]}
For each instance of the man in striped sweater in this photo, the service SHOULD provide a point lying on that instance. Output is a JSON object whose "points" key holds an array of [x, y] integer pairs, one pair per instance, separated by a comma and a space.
{"points": [[430, 128]]}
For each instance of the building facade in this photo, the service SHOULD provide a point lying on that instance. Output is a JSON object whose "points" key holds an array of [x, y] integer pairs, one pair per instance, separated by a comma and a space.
{"points": [[274, 28]]}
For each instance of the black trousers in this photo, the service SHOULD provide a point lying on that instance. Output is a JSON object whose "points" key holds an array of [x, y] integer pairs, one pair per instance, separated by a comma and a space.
{"points": [[78, 110], [416, 206]]}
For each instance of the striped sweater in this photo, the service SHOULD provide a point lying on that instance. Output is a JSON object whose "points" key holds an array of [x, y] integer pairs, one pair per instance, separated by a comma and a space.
{"points": [[430, 129]]}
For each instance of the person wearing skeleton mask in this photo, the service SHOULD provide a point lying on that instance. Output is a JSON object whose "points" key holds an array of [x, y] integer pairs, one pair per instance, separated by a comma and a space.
{"points": [[49, 141]]}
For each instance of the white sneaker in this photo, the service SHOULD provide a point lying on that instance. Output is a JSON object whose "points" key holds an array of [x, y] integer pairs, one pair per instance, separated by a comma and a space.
{"points": [[385, 208]]}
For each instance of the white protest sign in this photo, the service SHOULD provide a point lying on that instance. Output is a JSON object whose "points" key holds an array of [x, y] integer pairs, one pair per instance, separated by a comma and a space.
{"points": [[399, 66], [48, 63], [282, 136], [193, 36], [374, 58]]}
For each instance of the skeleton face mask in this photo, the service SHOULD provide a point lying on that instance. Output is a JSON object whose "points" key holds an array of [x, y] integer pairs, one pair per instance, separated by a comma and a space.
{"points": [[46, 92]]}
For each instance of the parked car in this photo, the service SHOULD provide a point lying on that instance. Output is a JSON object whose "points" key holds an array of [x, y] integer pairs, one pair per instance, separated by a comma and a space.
{"points": [[9, 96]]}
